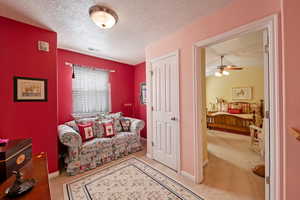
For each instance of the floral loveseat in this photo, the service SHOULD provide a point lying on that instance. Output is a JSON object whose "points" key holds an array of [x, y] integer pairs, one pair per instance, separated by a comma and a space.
{"points": [[82, 156]]}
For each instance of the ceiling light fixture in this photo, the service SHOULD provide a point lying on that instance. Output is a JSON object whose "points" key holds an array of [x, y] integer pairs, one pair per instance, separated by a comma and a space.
{"points": [[103, 17], [226, 73], [218, 74]]}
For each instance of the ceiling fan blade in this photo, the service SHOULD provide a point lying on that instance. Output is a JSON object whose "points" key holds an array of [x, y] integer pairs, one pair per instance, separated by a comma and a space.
{"points": [[233, 68]]}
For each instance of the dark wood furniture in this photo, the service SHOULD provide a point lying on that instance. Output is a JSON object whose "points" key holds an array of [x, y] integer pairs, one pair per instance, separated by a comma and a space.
{"points": [[230, 122], [13, 156], [36, 168]]}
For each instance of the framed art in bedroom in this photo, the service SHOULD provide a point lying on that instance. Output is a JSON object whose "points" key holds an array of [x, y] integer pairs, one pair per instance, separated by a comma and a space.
{"points": [[241, 93], [30, 89]]}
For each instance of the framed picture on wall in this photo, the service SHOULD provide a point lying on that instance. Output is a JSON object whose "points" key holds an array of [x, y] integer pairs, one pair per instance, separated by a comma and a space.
{"points": [[242, 93], [30, 89], [143, 93]]}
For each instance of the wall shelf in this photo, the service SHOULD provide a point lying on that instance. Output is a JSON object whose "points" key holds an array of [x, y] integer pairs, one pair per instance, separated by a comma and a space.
{"points": [[295, 133]]}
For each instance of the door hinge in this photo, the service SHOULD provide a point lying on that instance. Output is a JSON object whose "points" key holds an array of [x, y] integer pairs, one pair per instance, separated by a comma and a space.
{"points": [[152, 108], [266, 48], [267, 114], [151, 72], [152, 143], [268, 180]]}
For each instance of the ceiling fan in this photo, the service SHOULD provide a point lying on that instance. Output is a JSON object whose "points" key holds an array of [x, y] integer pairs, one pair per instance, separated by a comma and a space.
{"points": [[223, 69]]}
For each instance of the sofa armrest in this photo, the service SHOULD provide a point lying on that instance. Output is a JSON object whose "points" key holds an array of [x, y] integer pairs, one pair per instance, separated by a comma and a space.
{"points": [[69, 136], [136, 125]]}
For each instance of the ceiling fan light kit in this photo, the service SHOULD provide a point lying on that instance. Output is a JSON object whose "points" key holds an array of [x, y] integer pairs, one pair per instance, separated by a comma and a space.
{"points": [[226, 73], [222, 69], [103, 17]]}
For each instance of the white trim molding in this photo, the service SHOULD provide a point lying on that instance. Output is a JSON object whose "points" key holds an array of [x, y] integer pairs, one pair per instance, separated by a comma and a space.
{"points": [[53, 174], [149, 155], [187, 175], [270, 24]]}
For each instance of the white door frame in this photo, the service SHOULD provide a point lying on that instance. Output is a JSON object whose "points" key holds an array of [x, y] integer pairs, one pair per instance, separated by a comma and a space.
{"points": [[271, 24], [150, 113]]}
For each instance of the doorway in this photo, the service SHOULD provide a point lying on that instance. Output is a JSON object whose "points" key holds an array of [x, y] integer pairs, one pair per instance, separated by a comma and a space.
{"points": [[235, 107], [271, 129]]}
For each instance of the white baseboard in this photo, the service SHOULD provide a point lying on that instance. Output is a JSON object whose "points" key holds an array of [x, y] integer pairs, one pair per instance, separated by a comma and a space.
{"points": [[53, 174], [187, 175], [148, 155]]}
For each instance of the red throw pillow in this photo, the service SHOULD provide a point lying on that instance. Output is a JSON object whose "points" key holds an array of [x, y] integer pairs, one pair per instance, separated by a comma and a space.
{"points": [[86, 131], [109, 130], [234, 111]]}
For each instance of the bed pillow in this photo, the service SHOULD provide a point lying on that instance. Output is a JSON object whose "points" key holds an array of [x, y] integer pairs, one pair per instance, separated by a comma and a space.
{"points": [[234, 111], [86, 131]]}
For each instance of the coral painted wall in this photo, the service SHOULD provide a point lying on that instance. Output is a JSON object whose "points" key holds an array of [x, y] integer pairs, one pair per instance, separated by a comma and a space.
{"points": [[122, 81], [291, 70], [235, 14], [140, 109], [19, 56]]}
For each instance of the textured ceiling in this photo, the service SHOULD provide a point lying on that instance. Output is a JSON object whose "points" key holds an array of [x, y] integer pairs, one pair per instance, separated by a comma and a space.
{"points": [[244, 51], [140, 22]]}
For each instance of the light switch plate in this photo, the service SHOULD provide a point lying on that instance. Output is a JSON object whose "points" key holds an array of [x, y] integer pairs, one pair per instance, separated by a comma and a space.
{"points": [[43, 46]]}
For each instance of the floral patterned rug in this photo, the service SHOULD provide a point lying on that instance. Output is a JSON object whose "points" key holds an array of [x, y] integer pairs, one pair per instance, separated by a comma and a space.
{"points": [[129, 179]]}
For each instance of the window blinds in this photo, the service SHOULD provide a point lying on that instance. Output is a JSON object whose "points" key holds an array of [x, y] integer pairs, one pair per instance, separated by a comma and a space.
{"points": [[91, 91]]}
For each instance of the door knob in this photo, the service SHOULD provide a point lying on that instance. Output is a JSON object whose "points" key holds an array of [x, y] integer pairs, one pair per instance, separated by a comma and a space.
{"points": [[173, 118]]}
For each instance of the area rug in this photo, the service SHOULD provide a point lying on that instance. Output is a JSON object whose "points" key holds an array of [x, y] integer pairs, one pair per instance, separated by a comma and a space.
{"points": [[130, 179]]}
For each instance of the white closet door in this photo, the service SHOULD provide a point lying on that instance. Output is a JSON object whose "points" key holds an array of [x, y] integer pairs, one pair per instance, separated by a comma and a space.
{"points": [[165, 110]]}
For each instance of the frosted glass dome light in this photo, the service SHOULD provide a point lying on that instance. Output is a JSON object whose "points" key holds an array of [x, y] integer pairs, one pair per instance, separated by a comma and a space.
{"points": [[103, 17]]}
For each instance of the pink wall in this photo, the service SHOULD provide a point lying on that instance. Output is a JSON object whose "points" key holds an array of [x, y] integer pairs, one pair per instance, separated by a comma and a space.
{"points": [[122, 81], [291, 70], [139, 109], [234, 15], [19, 56]]}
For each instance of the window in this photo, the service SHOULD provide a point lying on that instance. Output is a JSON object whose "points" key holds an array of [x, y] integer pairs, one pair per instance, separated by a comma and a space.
{"points": [[91, 93]]}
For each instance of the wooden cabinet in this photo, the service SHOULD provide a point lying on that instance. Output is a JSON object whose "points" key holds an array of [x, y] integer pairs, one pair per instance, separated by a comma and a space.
{"points": [[36, 168]]}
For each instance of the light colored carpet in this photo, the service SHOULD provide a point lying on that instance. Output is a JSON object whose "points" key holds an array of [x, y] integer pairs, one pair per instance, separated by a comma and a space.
{"points": [[229, 167], [130, 179]]}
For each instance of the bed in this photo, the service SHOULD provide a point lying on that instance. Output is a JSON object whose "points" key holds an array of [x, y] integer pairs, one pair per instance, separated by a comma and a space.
{"points": [[234, 122]]}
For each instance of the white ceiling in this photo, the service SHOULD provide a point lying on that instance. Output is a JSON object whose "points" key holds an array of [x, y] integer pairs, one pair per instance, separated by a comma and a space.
{"points": [[244, 51], [140, 22]]}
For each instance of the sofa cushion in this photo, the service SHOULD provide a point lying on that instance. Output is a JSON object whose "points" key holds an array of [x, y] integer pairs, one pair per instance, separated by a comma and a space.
{"points": [[86, 120], [116, 115], [117, 125], [73, 125], [96, 145], [109, 129], [98, 129], [86, 131], [126, 123], [124, 137]]}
